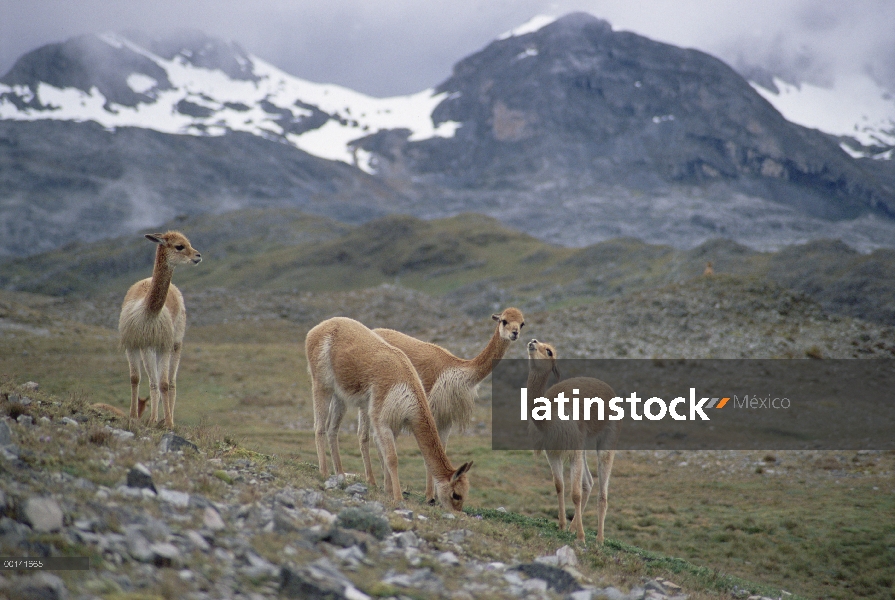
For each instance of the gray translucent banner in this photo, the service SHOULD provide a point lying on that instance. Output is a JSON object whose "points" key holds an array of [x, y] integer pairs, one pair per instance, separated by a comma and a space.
{"points": [[698, 405]]}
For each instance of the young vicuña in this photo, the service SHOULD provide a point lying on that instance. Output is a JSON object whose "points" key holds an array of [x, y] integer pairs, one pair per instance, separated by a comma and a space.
{"points": [[571, 437]]}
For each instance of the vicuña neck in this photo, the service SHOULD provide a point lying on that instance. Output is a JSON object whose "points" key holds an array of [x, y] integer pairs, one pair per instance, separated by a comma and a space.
{"points": [[426, 434], [495, 350], [537, 382], [161, 281]]}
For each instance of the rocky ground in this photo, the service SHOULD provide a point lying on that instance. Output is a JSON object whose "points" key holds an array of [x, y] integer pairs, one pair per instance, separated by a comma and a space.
{"points": [[161, 516], [198, 516]]}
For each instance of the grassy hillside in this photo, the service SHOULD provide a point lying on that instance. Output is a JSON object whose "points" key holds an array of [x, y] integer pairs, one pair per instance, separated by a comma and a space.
{"points": [[471, 261], [817, 524]]}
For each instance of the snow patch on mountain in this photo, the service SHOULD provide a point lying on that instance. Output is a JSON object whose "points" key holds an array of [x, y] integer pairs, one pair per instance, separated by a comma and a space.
{"points": [[855, 107], [532, 25], [321, 119]]}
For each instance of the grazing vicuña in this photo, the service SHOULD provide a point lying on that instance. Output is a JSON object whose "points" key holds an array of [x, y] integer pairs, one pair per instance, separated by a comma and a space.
{"points": [[351, 365]]}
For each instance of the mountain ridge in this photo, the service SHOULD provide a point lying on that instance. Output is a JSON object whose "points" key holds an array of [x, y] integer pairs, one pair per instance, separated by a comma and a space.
{"points": [[570, 131]]}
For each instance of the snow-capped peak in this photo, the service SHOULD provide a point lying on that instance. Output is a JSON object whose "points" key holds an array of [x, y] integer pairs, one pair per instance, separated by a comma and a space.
{"points": [[320, 119]]}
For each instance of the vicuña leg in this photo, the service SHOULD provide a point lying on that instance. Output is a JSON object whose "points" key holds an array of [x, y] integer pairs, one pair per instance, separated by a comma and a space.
{"points": [[576, 477], [134, 360], [385, 439], [333, 424], [587, 484], [172, 376], [604, 468], [150, 361], [322, 396], [164, 386], [363, 438], [556, 467]]}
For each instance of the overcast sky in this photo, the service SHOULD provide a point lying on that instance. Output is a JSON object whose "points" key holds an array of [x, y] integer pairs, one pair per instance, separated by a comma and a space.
{"points": [[391, 47]]}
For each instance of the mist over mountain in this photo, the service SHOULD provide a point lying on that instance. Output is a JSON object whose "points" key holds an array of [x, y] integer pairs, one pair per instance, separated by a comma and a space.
{"points": [[570, 131]]}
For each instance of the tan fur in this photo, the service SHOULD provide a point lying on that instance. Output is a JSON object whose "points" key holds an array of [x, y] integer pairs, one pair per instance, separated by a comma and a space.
{"points": [[152, 325], [352, 366], [542, 362], [450, 382], [709, 269], [108, 408]]}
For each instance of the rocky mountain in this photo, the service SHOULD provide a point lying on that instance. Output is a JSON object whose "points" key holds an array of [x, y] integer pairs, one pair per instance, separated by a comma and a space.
{"points": [[568, 130]]}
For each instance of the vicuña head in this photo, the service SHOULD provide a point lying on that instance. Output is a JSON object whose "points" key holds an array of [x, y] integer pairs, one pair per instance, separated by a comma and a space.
{"points": [[510, 323], [545, 354], [175, 248]]}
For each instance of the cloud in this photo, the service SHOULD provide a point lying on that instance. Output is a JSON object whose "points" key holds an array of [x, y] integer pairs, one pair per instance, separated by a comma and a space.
{"points": [[402, 46]]}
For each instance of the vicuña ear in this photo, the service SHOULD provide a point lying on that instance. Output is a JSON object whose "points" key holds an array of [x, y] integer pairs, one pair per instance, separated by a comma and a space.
{"points": [[464, 468], [495, 317], [556, 371], [155, 237]]}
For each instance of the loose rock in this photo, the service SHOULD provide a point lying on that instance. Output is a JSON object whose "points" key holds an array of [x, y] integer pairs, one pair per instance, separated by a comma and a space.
{"points": [[43, 514]]}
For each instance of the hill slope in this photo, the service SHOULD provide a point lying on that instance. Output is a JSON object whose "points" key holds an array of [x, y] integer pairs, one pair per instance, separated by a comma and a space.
{"points": [[472, 262]]}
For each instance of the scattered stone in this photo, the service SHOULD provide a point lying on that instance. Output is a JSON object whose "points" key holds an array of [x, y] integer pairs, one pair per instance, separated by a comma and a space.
{"points": [[318, 580], [364, 519], [406, 539], [353, 556], [5, 434], [121, 434], [212, 519], [18, 399], [501, 509], [357, 488], [165, 554], [181, 499], [535, 585], [310, 498], [30, 386], [140, 477], [137, 544], [172, 442], [42, 586], [26, 420], [70, 421], [557, 579], [43, 514], [345, 538], [449, 558], [457, 536], [286, 498], [611, 593], [566, 557], [335, 481]]}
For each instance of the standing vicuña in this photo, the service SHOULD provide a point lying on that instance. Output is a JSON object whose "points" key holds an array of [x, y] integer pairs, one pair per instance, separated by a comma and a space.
{"points": [[152, 324], [349, 364], [569, 435], [450, 382]]}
